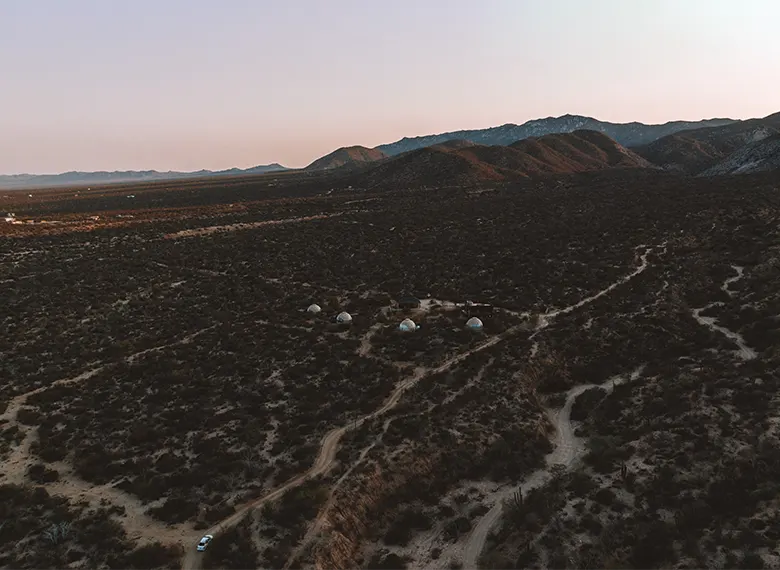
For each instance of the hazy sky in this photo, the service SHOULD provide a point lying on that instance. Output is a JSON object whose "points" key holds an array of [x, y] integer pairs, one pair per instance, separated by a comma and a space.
{"points": [[190, 84]]}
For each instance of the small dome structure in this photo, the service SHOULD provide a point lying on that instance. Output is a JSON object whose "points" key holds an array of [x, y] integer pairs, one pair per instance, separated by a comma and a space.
{"points": [[344, 318], [407, 325], [474, 323], [314, 308]]}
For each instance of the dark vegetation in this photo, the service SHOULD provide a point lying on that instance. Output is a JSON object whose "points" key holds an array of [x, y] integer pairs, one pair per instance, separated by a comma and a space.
{"points": [[265, 539], [38, 530], [211, 385], [459, 165], [693, 151]]}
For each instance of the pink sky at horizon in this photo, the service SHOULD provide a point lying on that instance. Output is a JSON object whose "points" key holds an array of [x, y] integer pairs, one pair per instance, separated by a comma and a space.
{"points": [[204, 84]]}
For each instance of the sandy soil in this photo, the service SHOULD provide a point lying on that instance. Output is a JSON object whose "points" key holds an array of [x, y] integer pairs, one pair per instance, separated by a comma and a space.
{"points": [[138, 525], [744, 351], [195, 232], [144, 528], [568, 449], [564, 453]]}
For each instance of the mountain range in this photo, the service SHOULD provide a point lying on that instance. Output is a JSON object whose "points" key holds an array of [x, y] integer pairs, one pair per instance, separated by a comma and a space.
{"points": [[510, 150], [757, 156], [19, 181], [461, 162], [696, 150], [690, 151], [627, 134]]}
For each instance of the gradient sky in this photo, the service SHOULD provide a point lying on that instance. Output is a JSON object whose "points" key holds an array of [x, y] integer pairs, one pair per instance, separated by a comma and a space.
{"points": [[190, 84]]}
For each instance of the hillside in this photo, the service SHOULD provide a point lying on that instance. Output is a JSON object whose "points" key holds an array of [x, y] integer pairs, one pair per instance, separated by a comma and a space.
{"points": [[438, 165], [453, 144], [579, 151], [695, 150], [347, 156], [680, 153], [759, 156], [430, 167], [627, 134], [20, 181]]}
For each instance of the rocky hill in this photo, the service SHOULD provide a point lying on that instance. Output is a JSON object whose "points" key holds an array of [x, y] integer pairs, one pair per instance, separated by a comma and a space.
{"points": [[454, 144], [440, 165], [431, 167], [348, 156], [580, 151], [758, 156], [694, 151], [627, 134]]}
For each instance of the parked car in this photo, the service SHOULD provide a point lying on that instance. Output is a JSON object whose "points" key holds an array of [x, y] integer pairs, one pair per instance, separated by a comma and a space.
{"points": [[204, 542]]}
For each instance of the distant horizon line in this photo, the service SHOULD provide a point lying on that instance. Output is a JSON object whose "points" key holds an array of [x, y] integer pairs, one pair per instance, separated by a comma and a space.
{"points": [[172, 171]]}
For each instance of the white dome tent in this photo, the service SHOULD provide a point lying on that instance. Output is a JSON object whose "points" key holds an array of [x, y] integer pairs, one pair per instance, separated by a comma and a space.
{"points": [[474, 323], [314, 309], [408, 325], [344, 318]]}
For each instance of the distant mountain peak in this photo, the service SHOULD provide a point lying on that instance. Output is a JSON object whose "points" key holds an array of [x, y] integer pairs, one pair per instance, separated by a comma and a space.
{"points": [[347, 156], [626, 134], [460, 162]]}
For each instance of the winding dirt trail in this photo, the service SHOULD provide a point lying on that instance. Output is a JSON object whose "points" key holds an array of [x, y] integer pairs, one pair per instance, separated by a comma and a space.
{"points": [[322, 516], [202, 231], [740, 273], [137, 524], [568, 449], [329, 445], [743, 350]]}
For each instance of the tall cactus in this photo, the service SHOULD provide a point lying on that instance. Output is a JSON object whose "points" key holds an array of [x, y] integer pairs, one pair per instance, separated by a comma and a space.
{"points": [[56, 533], [517, 501]]}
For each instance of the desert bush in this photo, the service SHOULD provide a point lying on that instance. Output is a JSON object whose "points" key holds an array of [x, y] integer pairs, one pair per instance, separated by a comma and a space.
{"points": [[383, 560], [654, 547], [39, 473], [407, 521], [585, 402]]}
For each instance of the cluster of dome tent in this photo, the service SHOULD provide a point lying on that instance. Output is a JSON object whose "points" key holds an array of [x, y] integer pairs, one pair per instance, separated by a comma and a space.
{"points": [[342, 318], [406, 325]]}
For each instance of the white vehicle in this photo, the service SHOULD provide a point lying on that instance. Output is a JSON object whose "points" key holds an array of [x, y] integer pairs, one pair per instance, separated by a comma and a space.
{"points": [[204, 542]]}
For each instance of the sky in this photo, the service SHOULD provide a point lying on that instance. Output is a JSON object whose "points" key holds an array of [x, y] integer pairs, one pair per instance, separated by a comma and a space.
{"points": [[190, 84]]}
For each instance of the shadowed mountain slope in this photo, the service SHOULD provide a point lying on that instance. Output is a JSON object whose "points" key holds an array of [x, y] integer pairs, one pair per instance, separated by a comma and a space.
{"points": [[438, 165], [347, 157]]}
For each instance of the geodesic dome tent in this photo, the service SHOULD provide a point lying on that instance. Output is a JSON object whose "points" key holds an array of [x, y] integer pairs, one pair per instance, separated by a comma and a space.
{"points": [[314, 309], [474, 323], [344, 318], [407, 325]]}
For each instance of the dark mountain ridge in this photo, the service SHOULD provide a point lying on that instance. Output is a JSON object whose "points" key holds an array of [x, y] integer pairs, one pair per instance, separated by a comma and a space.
{"points": [[627, 134], [347, 157], [455, 165], [696, 150], [757, 156]]}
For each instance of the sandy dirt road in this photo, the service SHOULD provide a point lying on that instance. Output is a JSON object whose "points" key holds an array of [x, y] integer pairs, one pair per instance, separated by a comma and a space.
{"points": [[743, 350], [568, 449], [329, 446]]}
